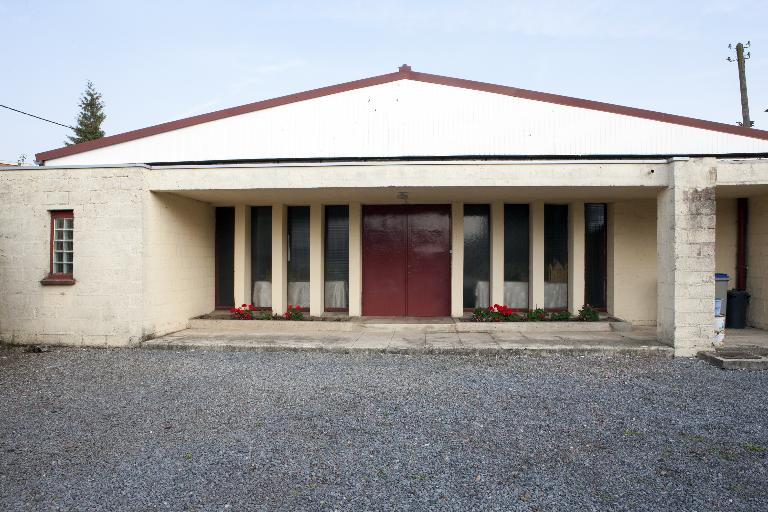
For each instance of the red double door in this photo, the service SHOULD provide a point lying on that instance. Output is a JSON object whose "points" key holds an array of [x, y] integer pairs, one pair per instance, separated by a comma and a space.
{"points": [[407, 260]]}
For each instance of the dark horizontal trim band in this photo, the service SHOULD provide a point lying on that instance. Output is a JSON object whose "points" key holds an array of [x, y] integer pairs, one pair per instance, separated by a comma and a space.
{"points": [[449, 158]]}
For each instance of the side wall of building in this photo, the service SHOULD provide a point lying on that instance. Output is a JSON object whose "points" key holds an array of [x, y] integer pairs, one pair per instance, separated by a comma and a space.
{"points": [[104, 307], [757, 272], [725, 238], [178, 260], [632, 260]]}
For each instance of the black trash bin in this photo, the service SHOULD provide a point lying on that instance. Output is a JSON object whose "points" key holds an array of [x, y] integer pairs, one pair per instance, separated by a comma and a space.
{"points": [[736, 309]]}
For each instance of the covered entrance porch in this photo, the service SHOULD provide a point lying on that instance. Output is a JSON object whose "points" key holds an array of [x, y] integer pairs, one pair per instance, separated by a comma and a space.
{"points": [[641, 239]]}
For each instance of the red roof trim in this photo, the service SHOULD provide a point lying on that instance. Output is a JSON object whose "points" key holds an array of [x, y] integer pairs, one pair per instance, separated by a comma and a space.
{"points": [[403, 73]]}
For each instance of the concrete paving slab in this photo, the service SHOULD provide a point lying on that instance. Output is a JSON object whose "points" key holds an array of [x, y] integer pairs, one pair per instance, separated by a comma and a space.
{"points": [[374, 339], [508, 336], [544, 336], [476, 337], [402, 340], [641, 335], [443, 337]]}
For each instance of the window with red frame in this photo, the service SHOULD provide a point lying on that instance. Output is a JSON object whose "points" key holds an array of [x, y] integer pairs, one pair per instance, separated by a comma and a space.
{"points": [[62, 244]]}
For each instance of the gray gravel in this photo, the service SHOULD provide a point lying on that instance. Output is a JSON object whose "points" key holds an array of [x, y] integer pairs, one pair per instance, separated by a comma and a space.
{"points": [[148, 430]]}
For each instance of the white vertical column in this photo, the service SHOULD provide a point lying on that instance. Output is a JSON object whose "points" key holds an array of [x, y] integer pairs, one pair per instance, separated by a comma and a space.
{"points": [[457, 260], [355, 259], [536, 263], [316, 260], [279, 258], [242, 274], [497, 252], [576, 242]]}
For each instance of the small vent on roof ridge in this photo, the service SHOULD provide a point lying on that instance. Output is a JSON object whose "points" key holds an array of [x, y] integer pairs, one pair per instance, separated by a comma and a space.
{"points": [[405, 68]]}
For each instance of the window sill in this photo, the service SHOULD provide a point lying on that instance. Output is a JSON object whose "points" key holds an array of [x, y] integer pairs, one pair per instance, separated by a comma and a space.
{"points": [[58, 281]]}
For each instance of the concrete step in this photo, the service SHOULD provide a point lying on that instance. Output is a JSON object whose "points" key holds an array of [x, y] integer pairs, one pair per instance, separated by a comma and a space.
{"points": [[366, 325], [487, 344]]}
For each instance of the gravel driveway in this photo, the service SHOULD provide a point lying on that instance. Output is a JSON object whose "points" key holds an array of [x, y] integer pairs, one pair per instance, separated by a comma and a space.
{"points": [[149, 430]]}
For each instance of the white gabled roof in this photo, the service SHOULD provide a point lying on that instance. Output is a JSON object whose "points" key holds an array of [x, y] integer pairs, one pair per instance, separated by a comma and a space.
{"points": [[409, 114]]}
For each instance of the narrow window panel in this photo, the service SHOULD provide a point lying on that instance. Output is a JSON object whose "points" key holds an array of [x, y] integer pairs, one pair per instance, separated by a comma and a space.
{"points": [[555, 256], [225, 257], [298, 256], [516, 255], [477, 255], [336, 258], [261, 255], [595, 254]]}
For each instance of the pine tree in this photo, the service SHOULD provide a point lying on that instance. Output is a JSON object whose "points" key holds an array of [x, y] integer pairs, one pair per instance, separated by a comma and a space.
{"points": [[90, 118]]}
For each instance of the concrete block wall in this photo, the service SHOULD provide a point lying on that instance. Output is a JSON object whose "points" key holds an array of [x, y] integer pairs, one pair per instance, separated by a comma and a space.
{"points": [[104, 307], [179, 274], [686, 256]]}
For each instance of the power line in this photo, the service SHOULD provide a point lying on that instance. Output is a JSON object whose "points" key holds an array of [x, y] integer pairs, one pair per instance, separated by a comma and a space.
{"points": [[36, 117]]}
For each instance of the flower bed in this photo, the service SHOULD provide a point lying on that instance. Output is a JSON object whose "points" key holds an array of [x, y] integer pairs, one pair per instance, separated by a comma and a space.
{"points": [[500, 313], [250, 312]]}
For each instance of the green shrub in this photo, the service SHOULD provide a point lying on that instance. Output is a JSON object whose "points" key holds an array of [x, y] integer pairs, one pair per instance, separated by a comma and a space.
{"points": [[588, 314], [560, 316]]}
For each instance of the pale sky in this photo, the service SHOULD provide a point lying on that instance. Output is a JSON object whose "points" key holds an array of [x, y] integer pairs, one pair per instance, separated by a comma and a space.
{"points": [[158, 61]]}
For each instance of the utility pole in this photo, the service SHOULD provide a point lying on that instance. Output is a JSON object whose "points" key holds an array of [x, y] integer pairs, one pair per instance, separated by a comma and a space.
{"points": [[742, 203], [740, 58]]}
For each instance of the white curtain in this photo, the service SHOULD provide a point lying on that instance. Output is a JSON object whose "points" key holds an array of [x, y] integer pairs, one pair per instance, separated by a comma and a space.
{"points": [[555, 295], [298, 293], [262, 294], [336, 294], [516, 294], [482, 294]]}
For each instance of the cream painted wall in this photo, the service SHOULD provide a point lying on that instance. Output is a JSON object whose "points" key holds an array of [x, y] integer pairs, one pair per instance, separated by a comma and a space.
{"points": [[757, 273], [632, 261], [104, 307], [178, 262], [725, 238], [143, 261]]}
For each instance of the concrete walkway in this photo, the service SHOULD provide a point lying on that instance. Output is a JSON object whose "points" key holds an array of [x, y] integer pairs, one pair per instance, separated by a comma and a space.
{"points": [[639, 341], [749, 337]]}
